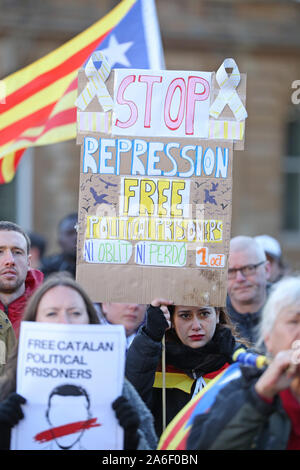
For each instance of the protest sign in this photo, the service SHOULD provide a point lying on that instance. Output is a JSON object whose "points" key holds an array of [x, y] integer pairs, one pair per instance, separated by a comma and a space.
{"points": [[69, 376], [155, 193]]}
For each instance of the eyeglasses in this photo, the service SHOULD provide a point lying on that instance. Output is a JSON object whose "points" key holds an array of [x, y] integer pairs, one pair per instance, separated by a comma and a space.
{"points": [[246, 271]]}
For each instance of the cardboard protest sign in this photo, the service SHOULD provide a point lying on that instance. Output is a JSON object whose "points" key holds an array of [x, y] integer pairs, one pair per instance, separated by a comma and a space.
{"points": [[69, 376], [155, 190]]}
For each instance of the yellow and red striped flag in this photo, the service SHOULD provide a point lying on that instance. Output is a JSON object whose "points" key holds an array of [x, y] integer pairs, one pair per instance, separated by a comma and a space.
{"points": [[38, 106]]}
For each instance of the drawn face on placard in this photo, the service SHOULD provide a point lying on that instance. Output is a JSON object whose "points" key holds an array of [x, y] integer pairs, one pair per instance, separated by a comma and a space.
{"points": [[68, 414]]}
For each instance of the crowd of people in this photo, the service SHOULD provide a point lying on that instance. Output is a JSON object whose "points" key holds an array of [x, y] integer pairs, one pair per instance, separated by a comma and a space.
{"points": [[173, 351]]}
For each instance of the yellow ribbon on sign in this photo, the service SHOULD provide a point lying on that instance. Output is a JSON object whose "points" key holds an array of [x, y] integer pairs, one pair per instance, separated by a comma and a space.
{"points": [[96, 83], [228, 94]]}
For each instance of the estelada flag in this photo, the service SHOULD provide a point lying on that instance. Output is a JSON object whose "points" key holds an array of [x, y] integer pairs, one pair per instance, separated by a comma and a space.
{"points": [[176, 433], [37, 103]]}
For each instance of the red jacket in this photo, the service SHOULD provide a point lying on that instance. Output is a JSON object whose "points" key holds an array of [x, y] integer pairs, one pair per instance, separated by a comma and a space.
{"points": [[15, 309]]}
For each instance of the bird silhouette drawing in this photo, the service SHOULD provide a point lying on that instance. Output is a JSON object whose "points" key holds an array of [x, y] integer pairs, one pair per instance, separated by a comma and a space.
{"points": [[107, 183], [99, 198], [199, 184], [209, 198]]}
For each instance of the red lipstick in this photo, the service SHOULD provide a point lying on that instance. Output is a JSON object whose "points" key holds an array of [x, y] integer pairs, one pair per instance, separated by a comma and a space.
{"points": [[196, 337]]}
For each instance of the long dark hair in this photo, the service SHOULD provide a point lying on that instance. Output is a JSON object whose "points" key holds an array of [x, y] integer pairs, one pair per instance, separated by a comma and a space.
{"points": [[8, 379]]}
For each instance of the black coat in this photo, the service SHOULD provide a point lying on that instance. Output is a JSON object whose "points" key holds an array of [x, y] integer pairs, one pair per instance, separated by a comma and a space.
{"points": [[56, 263], [246, 324], [240, 420], [143, 364]]}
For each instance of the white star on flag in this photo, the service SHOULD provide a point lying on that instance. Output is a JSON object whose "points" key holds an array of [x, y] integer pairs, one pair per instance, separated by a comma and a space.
{"points": [[115, 52]]}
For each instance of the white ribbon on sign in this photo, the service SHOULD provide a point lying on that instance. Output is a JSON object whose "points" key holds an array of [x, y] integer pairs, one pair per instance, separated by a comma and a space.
{"points": [[228, 94], [96, 83]]}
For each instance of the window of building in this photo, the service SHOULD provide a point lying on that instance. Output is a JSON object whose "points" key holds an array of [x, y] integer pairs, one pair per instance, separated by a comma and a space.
{"points": [[291, 206], [8, 201]]}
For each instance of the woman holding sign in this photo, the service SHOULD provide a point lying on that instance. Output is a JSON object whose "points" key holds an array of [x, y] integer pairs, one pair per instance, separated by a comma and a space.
{"points": [[61, 300], [199, 343]]}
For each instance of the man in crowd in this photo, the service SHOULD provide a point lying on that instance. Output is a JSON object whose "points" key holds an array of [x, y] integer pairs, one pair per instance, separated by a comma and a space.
{"points": [[248, 274], [17, 280], [67, 240]]}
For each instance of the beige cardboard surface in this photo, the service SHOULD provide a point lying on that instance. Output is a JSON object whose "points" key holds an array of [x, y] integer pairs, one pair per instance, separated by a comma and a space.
{"points": [[206, 224], [117, 283]]}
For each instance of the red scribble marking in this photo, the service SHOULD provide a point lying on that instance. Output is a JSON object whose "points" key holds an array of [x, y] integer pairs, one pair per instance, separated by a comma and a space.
{"points": [[59, 431]]}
